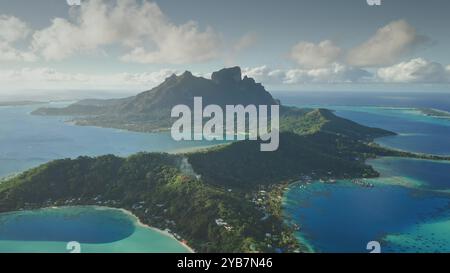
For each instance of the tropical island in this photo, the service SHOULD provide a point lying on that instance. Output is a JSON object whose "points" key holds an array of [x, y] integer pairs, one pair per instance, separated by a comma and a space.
{"points": [[434, 112], [150, 111], [223, 199]]}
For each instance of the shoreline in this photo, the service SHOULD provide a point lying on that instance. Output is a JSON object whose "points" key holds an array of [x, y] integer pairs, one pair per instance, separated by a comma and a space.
{"points": [[139, 222], [187, 150], [299, 235]]}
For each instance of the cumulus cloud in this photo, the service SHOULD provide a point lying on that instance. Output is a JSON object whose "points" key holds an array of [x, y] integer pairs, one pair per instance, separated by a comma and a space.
{"points": [[310, 55], [55, 42], [180, 45], [264, 74], [415, 71], [140, 27], [327, 63], [387, 46], [9, 53], [335, 73], [13, 30]]}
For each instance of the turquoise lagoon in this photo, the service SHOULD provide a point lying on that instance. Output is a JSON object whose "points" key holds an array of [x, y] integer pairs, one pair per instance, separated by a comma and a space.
{"points": [[96, 229]]}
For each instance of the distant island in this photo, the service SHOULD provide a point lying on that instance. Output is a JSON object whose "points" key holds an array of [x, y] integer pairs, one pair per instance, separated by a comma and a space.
{"points": [[20, 103], [434, 112], [223, 199], [150, 111]]}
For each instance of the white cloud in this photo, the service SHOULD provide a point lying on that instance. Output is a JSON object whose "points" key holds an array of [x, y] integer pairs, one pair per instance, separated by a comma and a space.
{"points": [[335, 73], [9, 53], [55, 42], [264, 74], [415, 71], [386, 47], [13, 30], [323, 62], [310, 55], [183, 44], [141, 28]]}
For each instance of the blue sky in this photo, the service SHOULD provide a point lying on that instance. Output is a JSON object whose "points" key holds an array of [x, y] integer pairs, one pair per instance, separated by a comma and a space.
{"points": [[287, 45]]}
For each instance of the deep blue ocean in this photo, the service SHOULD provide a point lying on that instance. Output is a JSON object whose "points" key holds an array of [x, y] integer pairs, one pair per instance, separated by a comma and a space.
{"points": [[438, 100], [408, 210]]}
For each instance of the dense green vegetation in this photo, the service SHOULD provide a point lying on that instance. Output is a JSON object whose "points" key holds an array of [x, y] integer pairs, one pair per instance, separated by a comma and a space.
{"points": [[156, 189], [310, 121], [71, 110], [152, 187], [313, 142], [242, 165]]}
